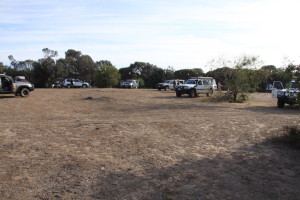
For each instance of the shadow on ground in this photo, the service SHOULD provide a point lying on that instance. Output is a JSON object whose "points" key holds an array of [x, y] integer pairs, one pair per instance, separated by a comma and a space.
{"points": [[273, 110], [264, 171]]}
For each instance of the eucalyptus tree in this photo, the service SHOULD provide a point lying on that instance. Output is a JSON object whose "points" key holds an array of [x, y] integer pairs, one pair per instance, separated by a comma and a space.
{"points": [[107, 76]]}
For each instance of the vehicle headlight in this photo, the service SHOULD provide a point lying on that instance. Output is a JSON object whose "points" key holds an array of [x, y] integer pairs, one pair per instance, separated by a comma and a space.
{"points": [[280, 93], [287, 94]]}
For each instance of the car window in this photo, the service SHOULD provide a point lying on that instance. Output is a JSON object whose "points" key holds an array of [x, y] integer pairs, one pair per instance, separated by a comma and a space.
{"points": [[207, 82], [190, 82]]}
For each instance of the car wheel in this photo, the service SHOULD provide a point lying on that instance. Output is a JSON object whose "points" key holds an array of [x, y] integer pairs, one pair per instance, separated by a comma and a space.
{"points": [[280, 103], [192, 93], [159, 88], [24, 92], [84, 86], [210, 93], [166, 88], [178, 94]]}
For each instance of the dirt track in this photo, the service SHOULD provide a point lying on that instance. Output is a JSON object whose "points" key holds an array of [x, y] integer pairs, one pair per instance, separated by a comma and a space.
{"points": [[144, 144]]}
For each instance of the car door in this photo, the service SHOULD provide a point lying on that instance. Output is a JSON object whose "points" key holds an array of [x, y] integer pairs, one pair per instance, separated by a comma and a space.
{"points": [[76, 83], [200, 87], [277, 85], [1, 84]]}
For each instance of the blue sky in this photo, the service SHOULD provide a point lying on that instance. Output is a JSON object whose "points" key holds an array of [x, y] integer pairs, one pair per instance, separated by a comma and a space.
{"points": [[181, 34]]}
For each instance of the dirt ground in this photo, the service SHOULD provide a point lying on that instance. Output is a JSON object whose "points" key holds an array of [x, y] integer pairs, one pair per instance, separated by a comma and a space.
{"points": [[144, 144]]}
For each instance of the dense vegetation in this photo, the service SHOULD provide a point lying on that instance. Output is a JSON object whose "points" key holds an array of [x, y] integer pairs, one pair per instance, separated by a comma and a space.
{"points": [[240, 75]]}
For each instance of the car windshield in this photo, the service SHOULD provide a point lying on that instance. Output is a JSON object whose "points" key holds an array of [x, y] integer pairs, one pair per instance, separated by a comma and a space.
{"points": [[167, 81], [293, 85], [128, 81], [190, 82]]}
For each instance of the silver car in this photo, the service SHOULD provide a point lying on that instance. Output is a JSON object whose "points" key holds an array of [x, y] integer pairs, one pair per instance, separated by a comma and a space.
{"points": [[130, 83]]}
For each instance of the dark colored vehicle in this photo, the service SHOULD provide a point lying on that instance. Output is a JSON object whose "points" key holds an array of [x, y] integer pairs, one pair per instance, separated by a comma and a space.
{"points": [[59, 83]]}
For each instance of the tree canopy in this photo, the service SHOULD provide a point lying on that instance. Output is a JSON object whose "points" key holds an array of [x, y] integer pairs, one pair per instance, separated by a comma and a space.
{"points": [[242, 74]]}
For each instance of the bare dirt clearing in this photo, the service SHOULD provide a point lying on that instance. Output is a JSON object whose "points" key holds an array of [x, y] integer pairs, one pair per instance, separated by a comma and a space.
{"points": [[143, 144]]}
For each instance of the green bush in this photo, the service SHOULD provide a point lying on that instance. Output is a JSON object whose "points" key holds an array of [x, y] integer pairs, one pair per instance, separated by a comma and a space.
{"points": [[291, 136], [243, 97]]}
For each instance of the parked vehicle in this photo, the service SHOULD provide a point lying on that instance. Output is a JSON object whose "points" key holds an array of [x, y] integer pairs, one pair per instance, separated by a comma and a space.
{"points": [[169, 84], [58, 83], [18, 87], [285, 95], [75, 83], [130, 83], [196, 86]]}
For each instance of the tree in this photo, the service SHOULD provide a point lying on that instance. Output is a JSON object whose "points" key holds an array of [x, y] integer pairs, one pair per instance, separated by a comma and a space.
{"points": [[20, 65], [44, 70], [43, 73], [1, 66], [168, 73], [127, 73], [48, 53], [85, 67], [219, 74], [150, 74], [238, 79], [107, 76], [79, 66], [71, 57], [187, 73], [60, 69]]}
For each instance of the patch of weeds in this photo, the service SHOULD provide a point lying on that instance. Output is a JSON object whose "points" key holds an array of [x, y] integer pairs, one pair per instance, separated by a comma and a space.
{"points": [[290, 135], [227, 97], [243, 97], [219, 97]]}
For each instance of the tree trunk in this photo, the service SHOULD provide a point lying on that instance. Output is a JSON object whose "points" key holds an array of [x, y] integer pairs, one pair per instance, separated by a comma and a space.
{"points": [[235, 93]]}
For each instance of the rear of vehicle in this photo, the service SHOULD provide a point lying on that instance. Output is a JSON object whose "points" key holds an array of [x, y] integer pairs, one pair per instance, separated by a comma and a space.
{"points": [[130, 84], [165, 85]]}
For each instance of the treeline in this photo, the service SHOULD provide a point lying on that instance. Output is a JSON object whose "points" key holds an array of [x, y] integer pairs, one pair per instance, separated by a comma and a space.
{"points": [[240, 75]]}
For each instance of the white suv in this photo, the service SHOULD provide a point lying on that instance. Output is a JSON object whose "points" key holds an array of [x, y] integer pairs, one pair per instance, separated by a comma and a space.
{"points": [[197, 85], [71, 82], [169, 84], [19, 87]]}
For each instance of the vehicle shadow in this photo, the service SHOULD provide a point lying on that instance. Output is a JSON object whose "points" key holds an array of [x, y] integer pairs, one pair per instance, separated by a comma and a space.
{"points": [[273, 110], [262, 171], [6, 97]]}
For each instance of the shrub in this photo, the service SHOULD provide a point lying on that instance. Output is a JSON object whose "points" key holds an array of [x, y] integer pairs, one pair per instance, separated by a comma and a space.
{"points": [[243, 97], [291, 136]]}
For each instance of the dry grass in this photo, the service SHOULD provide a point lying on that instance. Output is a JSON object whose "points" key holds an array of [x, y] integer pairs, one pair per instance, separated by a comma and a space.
{"points": [[143, 144]]}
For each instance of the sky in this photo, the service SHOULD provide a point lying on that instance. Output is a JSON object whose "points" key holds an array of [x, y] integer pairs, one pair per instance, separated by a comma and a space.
{"points": [[166, 33]]}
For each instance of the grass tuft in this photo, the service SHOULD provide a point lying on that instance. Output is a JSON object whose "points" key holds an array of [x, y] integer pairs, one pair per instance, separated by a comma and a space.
{"points": [[290, 135]]}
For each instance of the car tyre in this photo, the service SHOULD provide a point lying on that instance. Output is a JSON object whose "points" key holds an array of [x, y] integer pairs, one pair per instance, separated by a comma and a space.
{"points": [[24, 92], [280, 103], [84, 86], [178, 94], [210, 93], [192, 93]]}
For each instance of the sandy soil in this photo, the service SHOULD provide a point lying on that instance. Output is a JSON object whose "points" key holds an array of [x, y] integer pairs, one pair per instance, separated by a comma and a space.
{"points": [[144, 144]]}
